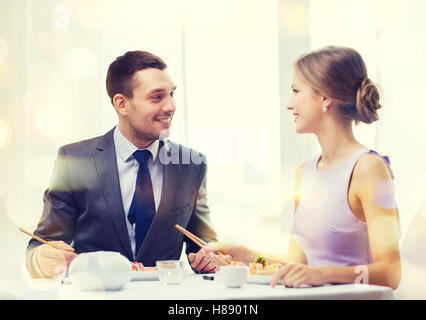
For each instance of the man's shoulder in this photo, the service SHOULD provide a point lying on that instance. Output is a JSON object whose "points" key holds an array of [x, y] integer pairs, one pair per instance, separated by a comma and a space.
{"points": [[87, 145], [82, 144]]}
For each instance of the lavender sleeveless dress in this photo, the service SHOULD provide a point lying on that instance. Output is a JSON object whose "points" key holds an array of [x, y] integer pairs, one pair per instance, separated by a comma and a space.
{"points": [[324, 225]]}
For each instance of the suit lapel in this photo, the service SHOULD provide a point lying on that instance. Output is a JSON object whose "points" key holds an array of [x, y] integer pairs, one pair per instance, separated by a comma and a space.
{"points": [[106, 167], [171, 173]]}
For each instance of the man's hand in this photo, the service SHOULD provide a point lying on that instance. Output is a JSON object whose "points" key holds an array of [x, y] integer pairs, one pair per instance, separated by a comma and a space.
{"points": [[202, 261], [53, 262], [207, 260]]}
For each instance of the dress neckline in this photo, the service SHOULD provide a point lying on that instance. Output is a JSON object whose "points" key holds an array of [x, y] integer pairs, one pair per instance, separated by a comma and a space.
{"points": [[339, 164]]}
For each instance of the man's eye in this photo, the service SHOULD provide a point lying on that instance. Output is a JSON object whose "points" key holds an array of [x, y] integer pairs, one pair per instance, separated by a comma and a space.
{"points": [[295, 91], [172, 94], [157, 98]]}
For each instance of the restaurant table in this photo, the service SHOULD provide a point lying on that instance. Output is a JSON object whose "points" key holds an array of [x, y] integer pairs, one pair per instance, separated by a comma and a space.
{"points": [[193, 287]]}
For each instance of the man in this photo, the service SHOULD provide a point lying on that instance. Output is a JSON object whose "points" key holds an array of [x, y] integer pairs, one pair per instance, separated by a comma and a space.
{"points": [[117, 192]]}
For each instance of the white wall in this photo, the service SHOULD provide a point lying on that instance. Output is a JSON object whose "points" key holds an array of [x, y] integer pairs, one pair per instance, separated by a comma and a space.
{"points": [[231, 57]]}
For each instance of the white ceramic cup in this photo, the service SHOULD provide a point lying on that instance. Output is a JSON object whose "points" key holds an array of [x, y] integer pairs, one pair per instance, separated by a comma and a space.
{"points": [[100, 270], [233, 276]]}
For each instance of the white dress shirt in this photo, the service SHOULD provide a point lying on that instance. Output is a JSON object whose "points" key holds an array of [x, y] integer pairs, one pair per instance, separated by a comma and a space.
{"points": [[128, 168]]}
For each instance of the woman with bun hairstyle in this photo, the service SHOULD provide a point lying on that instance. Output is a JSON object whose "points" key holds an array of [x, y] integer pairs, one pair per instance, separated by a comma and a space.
{"points": [[346, 224]]}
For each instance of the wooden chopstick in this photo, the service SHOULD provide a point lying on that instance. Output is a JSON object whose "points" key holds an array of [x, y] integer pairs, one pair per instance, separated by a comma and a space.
{"points": [[191, 236], [200, 242], [40, 239]]}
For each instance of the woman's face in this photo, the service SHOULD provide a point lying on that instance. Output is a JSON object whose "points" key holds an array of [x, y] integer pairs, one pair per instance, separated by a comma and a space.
{"points": [[306, 105]]}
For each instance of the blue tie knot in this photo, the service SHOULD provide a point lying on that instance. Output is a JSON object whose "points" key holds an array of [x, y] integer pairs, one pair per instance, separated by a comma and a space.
{"points": [[142, 156]]}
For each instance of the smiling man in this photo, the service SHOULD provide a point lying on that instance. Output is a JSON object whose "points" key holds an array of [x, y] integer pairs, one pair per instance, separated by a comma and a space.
{"points": [[114, 193]]}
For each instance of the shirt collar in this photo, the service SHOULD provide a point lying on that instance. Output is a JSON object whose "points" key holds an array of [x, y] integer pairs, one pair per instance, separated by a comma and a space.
{"points": [[126, 149]]}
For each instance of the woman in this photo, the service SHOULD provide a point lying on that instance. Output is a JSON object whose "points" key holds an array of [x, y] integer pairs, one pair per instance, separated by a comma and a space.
{"points": [[346, 227]]}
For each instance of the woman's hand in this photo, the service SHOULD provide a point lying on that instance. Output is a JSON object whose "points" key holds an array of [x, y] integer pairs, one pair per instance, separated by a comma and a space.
{"points": [[295, 274]]}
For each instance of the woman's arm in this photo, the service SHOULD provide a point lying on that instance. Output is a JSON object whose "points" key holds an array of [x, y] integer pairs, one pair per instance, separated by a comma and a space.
{"points": [[247, 255], [373, 186]]}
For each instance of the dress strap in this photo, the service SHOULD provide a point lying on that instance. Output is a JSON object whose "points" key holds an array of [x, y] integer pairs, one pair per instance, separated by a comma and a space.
{"points": [[386, 159]]}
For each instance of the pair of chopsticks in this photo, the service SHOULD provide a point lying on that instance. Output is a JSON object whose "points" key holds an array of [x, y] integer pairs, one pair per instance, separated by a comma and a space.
{"points": [[40, 239], [201, 243], [190, 235]]}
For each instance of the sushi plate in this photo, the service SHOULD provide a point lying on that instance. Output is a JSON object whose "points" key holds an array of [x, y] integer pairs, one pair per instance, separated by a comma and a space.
{"points": [[266, 279], [259, 279], [144, 276]]}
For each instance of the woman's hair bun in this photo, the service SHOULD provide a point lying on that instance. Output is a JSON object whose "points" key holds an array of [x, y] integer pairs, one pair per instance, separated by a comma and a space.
{"points": [[367, 102]]}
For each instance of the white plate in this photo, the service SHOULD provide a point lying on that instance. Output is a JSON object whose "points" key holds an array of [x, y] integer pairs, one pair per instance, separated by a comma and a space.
{"points": [[266, 279], [260, 279], [144, 275]]}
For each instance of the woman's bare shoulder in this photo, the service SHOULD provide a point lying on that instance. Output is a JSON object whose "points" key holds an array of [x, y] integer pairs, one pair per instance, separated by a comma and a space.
{"points": [[371, 166]]}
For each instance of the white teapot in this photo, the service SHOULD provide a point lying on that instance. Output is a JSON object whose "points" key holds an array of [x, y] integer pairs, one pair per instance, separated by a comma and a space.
{"points": [[100, 270]]}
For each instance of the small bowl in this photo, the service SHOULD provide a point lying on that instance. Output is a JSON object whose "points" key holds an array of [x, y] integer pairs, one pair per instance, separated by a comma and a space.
{"points": [[100, 270]]}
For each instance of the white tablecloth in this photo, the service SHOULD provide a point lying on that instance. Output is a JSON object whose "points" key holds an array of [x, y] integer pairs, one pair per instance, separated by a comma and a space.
{"points": [[193, 287]]}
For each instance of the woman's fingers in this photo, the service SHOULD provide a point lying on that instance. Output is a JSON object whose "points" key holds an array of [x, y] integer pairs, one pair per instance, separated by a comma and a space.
{"points": [[289, 275], [294, 273], [279, 275]]}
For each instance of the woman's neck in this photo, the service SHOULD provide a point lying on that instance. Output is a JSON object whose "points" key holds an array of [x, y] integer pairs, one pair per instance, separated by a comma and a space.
{"points": [[337, 143]]}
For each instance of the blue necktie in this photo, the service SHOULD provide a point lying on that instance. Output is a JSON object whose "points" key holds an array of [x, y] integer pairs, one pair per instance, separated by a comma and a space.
{"points": [[142, 209]]}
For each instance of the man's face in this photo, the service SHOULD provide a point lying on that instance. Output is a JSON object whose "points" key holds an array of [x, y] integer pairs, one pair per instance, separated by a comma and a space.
{"points": [[151, 109]]}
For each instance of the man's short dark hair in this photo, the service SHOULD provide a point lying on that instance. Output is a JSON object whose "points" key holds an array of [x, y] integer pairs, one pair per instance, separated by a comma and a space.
{"points": [[120, 72]]}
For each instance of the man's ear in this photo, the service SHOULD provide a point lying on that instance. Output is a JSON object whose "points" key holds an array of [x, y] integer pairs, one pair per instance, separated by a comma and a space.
{"points": [[120, 104]]}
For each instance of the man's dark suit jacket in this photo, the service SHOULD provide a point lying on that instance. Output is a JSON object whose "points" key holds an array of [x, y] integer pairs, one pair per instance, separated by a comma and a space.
{"points": [[83, 204]]}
